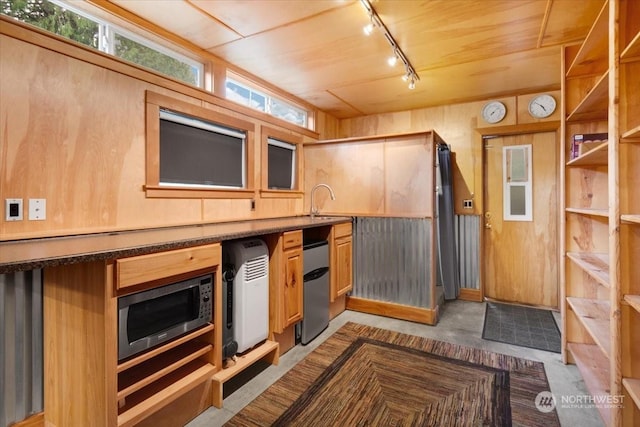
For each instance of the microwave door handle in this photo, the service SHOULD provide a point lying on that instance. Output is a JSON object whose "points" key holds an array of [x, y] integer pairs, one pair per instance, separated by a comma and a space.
{"points": [[123, 338]]}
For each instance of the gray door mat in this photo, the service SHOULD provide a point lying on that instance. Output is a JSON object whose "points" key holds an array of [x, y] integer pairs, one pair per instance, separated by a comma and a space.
{"points": [[521, 326]]}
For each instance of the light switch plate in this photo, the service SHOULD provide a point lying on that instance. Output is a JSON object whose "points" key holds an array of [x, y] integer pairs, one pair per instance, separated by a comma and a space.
{"points": [[467, 204], [37, 209], [13, 209]]}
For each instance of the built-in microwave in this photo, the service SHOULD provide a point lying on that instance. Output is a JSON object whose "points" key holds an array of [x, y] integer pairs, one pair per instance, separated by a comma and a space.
{"points": [[152, 317]]}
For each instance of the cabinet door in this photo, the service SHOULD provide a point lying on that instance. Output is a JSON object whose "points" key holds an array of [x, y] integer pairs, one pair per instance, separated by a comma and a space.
{"points": [[344, 274], [293, 284]]}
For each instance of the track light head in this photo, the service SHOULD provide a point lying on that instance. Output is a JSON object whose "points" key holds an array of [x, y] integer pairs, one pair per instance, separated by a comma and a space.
{"points": [[392, 61], [412, 84], [368, 29]]}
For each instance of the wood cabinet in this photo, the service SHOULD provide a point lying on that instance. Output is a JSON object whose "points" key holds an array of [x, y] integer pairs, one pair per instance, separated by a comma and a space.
{"points": [[601, 236], [342, 260], [81, 343], [285, 279]]}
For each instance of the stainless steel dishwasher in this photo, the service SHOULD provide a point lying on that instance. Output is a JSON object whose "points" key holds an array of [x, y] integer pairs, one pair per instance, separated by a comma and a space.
{"points": [[315, 290]]}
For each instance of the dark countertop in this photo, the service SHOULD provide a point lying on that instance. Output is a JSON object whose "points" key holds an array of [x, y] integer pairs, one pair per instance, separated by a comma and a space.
{"points": [[30, 254]]}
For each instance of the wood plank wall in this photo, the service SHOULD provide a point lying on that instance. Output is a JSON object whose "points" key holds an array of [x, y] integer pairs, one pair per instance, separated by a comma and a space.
{"points": [[73, 133]]}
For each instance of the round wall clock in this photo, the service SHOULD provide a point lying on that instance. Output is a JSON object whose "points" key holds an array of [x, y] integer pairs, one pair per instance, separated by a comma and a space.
{"points": [[542, 106], [494, 111]]}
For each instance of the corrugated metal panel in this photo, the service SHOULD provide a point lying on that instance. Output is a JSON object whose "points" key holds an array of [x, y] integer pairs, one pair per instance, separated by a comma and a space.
{"points": [[468, 250], [21, 341], [392, 260]]}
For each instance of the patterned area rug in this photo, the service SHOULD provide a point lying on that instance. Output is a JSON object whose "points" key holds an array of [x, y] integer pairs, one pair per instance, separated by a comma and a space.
{"points": [[521, 326], [365, 376]]}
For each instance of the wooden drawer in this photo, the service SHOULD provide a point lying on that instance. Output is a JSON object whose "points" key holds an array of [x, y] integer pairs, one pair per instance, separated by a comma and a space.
{"points": [[341, 230], [146, 268], [292, 239]]}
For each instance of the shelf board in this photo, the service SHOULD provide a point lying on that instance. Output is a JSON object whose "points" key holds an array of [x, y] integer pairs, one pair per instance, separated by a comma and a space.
{"points": [[246, 360], [594, 368], [595, 105], [633, 301], [597, 156], [163, 348], [589, 211], [632, 50], [133, 380], [632, 385], [594, 315], [592, 58], [632, 135], [161, 393], [595, 265], [635, 218], [242, 362]]}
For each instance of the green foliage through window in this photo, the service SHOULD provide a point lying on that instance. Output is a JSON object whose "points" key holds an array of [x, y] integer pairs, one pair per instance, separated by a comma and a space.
{"points": [[56, 18]]}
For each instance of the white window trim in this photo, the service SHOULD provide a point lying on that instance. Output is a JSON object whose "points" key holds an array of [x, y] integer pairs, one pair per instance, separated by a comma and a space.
{"points": [[106, 40]]}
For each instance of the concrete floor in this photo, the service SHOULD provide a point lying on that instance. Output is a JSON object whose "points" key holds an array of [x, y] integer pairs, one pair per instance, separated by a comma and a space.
{"points": [[461, 323]]}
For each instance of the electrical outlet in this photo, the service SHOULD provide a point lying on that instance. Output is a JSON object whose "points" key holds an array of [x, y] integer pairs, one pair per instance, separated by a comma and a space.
{"points": [[467, 204], [37, 209], [13, 209]]}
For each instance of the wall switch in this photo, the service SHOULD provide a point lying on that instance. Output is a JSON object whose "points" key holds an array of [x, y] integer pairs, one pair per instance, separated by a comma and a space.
{"points": [[13, 209], [37, 209], [467, 203]]}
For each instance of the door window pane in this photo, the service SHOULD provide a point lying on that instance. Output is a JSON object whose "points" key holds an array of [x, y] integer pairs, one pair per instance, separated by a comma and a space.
{"points": [[517, 183]]}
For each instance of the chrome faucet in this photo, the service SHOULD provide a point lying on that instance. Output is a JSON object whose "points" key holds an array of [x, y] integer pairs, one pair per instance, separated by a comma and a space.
{"points": [[314, 210]]}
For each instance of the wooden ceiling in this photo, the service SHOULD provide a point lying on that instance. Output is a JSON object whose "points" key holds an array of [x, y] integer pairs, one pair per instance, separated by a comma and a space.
{"points": [[462, 50]]}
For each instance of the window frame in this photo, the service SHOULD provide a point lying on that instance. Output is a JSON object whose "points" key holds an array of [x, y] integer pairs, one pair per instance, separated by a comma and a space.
{"points": [[107, 31], [153, 187], [269, 96], [266, 133]]}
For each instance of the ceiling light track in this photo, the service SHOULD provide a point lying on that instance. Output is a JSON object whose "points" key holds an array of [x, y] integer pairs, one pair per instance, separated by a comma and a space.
{"points": [[410, 74]]}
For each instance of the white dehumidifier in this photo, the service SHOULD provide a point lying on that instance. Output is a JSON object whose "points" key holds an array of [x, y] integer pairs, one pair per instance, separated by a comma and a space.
{"points": [[250, 259]]}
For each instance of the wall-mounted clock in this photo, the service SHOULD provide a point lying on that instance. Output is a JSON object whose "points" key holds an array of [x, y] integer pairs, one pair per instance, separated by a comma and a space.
{"points": [[542, 106], [494, 112]]}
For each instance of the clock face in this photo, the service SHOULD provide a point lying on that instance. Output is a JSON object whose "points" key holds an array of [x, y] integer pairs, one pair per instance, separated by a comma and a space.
{"points": [[542, 106], [494, 111]]}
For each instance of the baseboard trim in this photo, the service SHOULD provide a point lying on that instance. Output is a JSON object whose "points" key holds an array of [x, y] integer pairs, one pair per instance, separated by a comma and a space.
{"points": [[397, 311], [467, 294], [36, 420]]}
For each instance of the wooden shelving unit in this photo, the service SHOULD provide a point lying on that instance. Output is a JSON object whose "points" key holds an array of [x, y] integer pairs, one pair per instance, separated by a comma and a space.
{"points": [[601, 289], [629, 177]]}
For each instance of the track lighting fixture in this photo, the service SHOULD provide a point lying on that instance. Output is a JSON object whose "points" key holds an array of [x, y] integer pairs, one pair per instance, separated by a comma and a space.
{"points": [[410, 73]]}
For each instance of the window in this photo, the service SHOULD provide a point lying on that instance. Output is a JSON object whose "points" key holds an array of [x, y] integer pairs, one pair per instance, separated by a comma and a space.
{"points": [[518, 193], [282, 165], [196, 153], [281, 172], [60, 18], [244, 94]]}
